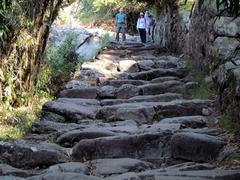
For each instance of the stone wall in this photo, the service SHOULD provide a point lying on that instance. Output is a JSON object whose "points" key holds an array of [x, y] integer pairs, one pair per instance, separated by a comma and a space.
{"points": [[212, 42]]}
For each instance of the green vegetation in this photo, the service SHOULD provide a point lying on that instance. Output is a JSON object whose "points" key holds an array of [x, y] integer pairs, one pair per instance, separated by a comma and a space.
{"points": [[185, 6], [204, 90], [59, 66], [226, 122], [105, 40]]}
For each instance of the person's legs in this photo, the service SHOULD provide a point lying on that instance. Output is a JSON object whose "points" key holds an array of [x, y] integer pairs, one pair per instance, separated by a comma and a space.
{"points": [[148, 34], [144, 35], [123, 33], [117, 34], [141, 34]]}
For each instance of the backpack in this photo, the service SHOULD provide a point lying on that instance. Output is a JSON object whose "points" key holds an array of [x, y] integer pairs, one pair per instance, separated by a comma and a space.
{"points": [[152, 20]]}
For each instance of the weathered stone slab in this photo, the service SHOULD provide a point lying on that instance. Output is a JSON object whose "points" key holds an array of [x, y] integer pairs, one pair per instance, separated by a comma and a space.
{"points": [[147, 98], [85, 93], [161, 88], [147, 112], [163, 79], [146, 65], [146, 146], [6, 170], [152, 74], [141, 113], [45, 127], [187, 121], [70, 138], [107, 92], [75, 84], [106, 167], [22, 155], [166, 64], [181, 108], [127, 91], [71, 167], [11, 178], [63, 176], [195, 146], [186, 171], [119, 83], [49, 116], [73, 109]]}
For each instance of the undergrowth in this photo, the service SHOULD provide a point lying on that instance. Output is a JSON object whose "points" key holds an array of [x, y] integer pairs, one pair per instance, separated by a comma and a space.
{"points": [[203, 90], [58, 68]]}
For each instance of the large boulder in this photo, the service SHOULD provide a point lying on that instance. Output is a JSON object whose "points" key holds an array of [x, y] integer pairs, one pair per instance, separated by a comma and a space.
{"points": [[128, 66], [227, 26], [225, 47]]}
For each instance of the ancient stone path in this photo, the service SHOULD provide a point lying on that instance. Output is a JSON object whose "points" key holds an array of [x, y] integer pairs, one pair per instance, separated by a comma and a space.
{"points": [[126, 118]]}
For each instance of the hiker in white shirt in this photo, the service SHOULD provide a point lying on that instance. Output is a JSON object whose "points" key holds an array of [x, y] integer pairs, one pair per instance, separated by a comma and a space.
{"points": [[141, 27]]}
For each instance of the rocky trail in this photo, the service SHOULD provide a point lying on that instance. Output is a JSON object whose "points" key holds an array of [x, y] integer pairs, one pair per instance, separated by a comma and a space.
{"points": [[126, 118]]}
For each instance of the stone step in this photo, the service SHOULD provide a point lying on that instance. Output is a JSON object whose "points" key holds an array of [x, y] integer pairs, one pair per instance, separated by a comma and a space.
{"points": [[187, 121], [151, 147], [102, 66], [119, 83], [166, 64], [85, 93], [176, 124], [88, 75], [76, 84], [147, 98], [108, 167], [148, 112], [7, 170], [24, 155], [161, 88], [63, 176], [186, 171], [69, 167], [69, 139], [205, 148], [152, 74], [73, 109], [59, 129], [163, 79]]}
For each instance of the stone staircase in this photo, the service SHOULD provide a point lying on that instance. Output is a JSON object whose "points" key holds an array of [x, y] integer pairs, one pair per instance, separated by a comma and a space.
{"points": [[126, 118]]}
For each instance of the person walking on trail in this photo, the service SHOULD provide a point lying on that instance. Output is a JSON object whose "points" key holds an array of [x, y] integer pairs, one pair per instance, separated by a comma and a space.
{"points": [[141, 27], [150, 22], [121, 24]]}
